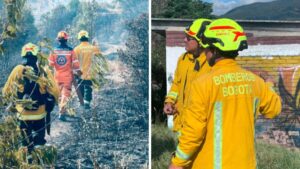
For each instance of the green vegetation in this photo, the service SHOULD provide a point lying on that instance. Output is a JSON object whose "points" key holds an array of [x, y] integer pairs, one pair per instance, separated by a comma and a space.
{"points": [[163, 144], [158, 76], [181, 9], [135, 55], [285, 10], [276, 157], [13, 155], [268, 156]]}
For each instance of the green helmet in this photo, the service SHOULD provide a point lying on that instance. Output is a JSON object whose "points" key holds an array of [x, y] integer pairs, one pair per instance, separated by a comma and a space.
{"points": [[30, 47], [226, 35], [197, 28]]}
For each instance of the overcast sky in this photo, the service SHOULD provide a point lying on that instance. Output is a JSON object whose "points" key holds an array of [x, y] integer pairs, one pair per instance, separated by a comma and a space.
{"points": [[223, 6]]}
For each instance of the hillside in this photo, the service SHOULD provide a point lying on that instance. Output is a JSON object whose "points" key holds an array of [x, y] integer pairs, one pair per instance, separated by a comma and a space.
{"points": [[275, 10]]}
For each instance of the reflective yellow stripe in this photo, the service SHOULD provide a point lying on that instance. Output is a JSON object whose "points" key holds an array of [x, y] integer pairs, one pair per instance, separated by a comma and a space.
{"points": [[180, 154], [31, 117], [178, 134], [172, 95], [218, 135], [255, 106]]}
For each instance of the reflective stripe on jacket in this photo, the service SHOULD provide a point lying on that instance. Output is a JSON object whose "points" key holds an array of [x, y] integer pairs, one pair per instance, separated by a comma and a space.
{"points": [[186, 71], [219, 127], [31, 115], [85, 53], [64, 61]]}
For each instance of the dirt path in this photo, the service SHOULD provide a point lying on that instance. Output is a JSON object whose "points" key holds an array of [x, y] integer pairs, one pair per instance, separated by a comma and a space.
{"points": [[113, 134]]}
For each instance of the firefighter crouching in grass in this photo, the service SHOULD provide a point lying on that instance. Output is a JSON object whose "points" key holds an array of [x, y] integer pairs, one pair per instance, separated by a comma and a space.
{"points": [[219, 128], [64, 62], [31, 83], [86, 54], [190, 65]]}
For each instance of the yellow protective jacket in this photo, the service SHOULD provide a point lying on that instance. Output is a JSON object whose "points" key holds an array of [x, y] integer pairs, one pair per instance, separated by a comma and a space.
{"points": [[85, 53], [15, 84], [186, 71], [219, 126]]}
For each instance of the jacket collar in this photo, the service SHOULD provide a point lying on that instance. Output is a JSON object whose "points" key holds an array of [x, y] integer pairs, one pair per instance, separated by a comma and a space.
{"points": [[225, 63], [84, 43], [201, 56]]}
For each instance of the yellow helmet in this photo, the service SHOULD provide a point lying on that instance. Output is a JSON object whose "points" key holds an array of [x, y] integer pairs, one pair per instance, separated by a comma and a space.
{"points": [[197, 28], [62, 35], [226, 35], [83, 33], [30, 47]]}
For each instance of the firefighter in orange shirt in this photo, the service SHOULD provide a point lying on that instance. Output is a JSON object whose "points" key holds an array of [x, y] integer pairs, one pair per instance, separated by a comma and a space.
{"points": [[219, 127], [86, 52], [65, 63]]}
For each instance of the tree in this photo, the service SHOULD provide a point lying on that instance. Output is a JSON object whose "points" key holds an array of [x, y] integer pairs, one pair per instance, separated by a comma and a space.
{"points": [[158, 76], [190, 9], [136, 53], [12, 46], [158, 7], [56, 20], [9, 22]]}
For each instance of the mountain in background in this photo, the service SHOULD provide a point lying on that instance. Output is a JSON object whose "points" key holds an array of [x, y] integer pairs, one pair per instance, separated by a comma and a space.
{"points": [[275, 10]]}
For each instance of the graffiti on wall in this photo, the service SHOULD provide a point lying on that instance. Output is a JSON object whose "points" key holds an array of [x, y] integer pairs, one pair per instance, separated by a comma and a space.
{"points": [[285, 73], [289, 90], [285, 128]]}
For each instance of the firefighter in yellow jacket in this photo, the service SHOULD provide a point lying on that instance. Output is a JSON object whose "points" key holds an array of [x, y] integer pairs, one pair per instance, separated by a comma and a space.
{"points": [[219, 129], [29, 81], [190, 65], [85, 52]]}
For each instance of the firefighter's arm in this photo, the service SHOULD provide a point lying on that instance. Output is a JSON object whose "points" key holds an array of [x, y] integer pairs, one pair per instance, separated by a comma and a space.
{"points": [[75, 64], [270, 105], [51, 60], [12, 81], [174, 90], [171, 98], [194, 128]]}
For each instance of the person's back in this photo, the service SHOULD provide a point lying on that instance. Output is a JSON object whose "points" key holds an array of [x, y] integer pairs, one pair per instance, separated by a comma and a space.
{"points": [[219, 127], [62, 59], [85, 53], [236, 96], [30, 81], [65, 64]]}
